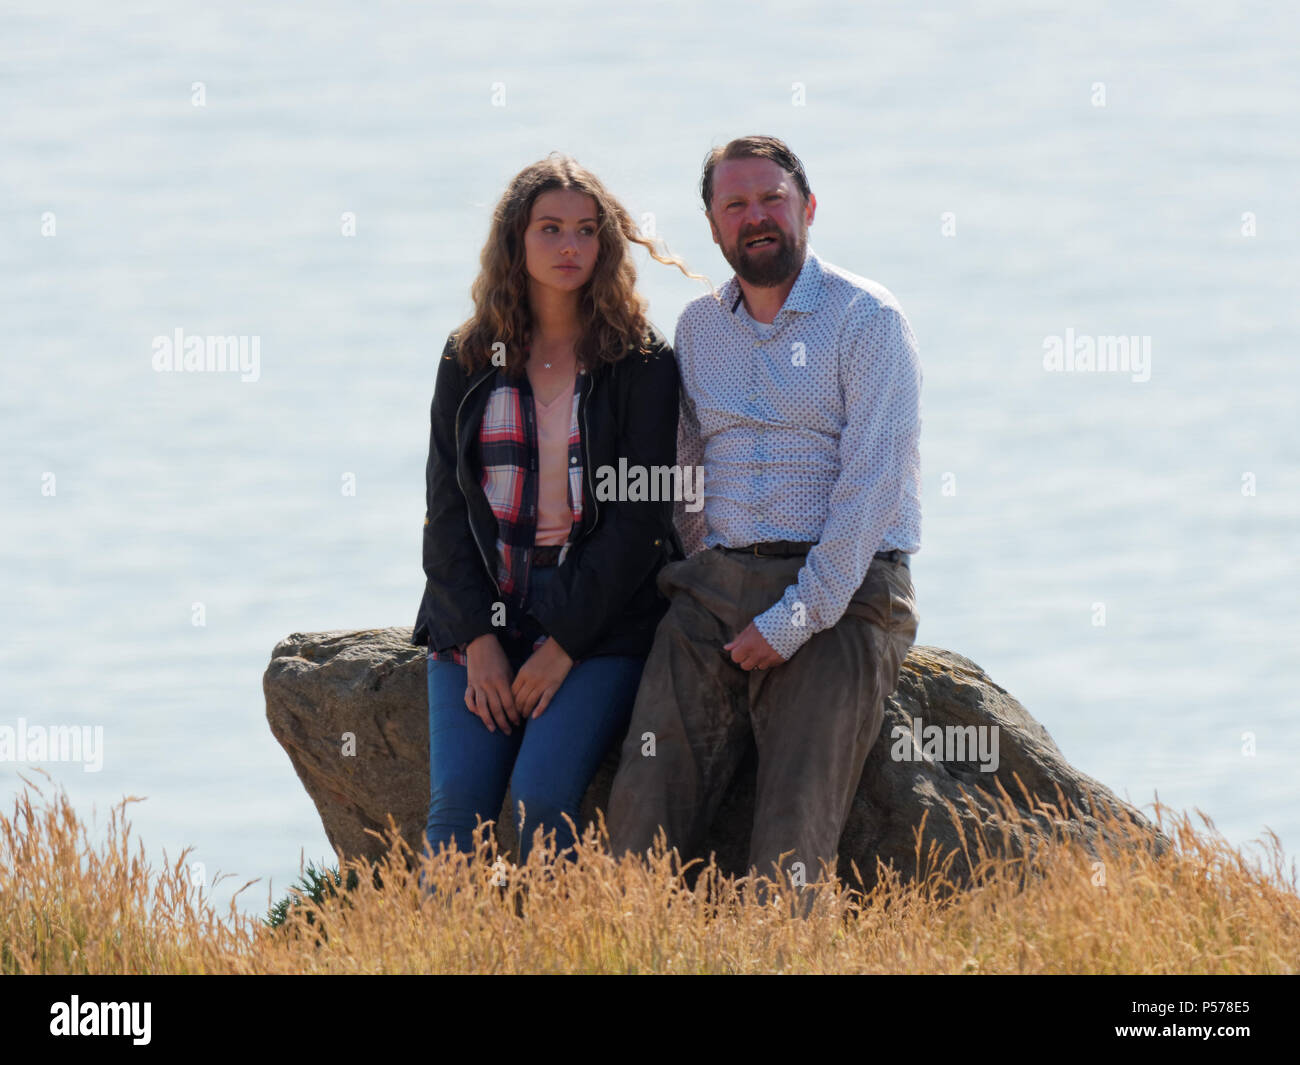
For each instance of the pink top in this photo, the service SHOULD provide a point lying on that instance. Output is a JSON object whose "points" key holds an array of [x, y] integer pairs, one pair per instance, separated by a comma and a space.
{"points": [[554, 517]]}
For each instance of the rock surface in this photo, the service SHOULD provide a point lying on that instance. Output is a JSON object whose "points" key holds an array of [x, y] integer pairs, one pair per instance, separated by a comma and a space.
{"points": [[371, 684]]}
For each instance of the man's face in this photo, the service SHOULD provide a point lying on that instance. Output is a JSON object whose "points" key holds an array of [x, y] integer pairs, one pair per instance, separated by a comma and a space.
{"points": [[759, 220]]}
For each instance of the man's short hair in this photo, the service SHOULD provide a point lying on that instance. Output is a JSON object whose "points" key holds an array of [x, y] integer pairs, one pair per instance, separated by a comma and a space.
{"points": [[757, 147]]}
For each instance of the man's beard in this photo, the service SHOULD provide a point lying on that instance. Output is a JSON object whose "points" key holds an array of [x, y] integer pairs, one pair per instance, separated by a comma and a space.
{"points": [[767, 268]]}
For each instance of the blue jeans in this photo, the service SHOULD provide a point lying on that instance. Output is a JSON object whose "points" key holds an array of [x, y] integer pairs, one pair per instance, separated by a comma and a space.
{"points": [[547, 761]]}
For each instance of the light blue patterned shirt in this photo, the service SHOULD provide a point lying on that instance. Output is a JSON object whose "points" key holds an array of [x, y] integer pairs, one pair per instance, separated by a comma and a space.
{"points": [[809, 432]]}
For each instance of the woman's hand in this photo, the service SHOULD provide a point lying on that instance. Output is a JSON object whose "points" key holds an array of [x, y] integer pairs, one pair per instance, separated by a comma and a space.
{"points": [[540, 678], [489, 695]]}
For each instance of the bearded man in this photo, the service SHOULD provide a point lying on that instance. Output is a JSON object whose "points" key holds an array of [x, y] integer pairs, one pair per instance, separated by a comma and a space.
{"points": [[790, 617]]}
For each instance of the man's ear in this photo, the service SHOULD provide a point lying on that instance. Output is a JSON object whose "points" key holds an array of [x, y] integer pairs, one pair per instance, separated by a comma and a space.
{"points": [[717, 237], [811, 209]]}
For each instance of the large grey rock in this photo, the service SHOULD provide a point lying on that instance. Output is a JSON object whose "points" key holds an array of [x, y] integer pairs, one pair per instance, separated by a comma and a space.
{"points": [[323, 687]]}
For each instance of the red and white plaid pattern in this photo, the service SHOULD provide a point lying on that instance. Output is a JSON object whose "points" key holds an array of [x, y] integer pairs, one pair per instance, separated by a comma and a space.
{"points": [[507, 440]]}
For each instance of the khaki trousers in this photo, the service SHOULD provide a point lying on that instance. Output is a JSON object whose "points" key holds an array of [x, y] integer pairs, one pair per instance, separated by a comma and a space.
{"points": [[813, 718]]}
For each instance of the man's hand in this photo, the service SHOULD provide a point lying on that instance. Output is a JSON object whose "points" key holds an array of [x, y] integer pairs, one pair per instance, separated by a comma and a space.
{"points": [[540, 678], [750, 651], [488, 695]]}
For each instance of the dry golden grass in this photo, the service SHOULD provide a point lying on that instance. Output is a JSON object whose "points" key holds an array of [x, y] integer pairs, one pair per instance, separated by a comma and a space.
{"points": [[67, 907]]}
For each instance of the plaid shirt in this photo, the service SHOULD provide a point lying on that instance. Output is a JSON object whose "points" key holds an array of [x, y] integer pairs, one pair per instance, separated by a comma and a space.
{"points": [[507, 439]]}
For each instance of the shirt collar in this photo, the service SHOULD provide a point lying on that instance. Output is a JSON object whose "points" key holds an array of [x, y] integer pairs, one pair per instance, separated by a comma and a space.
{"points": [[804, 296]]}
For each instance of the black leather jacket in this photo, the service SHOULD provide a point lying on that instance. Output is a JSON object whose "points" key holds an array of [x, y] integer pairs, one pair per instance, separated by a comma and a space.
{"points": [[604, 598]]}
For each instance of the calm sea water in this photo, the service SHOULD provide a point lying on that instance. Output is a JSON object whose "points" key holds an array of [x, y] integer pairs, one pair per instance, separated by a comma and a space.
{"points": [[1011, 174]]}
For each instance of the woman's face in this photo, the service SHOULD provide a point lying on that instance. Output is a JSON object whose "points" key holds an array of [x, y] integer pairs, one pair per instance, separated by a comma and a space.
{"points": [[560, 243]]}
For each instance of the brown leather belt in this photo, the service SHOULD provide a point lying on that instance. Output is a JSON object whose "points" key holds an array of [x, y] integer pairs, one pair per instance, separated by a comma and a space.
{"points": [[794, 548], [547, 555]]}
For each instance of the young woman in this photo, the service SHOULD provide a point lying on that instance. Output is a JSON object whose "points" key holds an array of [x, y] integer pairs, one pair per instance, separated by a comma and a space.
{"points": [[540, 602]]}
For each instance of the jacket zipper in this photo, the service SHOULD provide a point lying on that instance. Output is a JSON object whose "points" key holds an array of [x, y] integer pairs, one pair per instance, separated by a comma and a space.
{"points": [[586, 455], [461, 484]]}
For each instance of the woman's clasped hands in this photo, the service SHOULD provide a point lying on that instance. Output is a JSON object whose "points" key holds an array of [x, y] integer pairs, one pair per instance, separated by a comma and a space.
{"points": [[498, 699]]}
